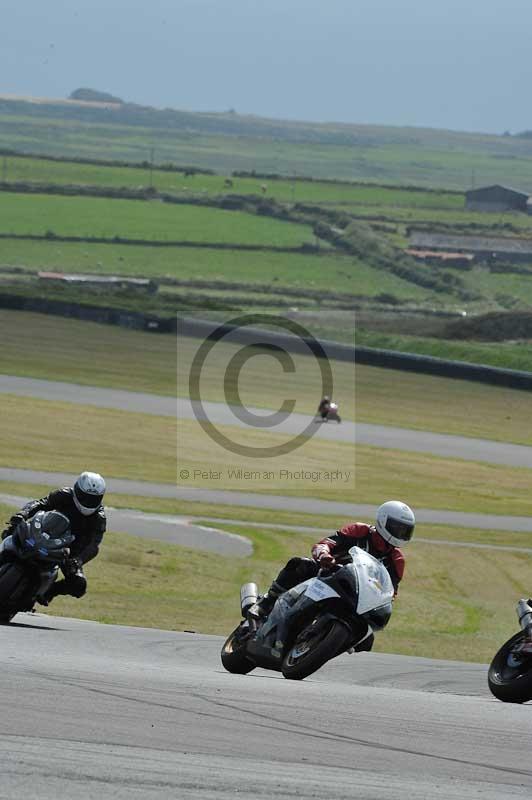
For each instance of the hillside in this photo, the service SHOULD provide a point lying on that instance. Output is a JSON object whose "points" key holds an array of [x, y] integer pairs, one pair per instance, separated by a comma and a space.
{"points": [[228, 141]]}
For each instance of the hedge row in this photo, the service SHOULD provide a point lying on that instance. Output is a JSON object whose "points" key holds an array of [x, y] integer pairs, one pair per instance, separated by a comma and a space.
{"points": [[100, 162]]}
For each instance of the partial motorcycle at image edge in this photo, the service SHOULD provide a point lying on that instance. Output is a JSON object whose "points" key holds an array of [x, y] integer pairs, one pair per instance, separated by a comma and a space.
{"points": [[510, 672], [30, 559], [335, 612]]}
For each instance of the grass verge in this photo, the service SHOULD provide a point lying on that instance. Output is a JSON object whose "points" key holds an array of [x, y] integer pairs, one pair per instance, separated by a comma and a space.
{"points": [[41, 346], [369, 474], [44, 435], [72, 437], [54, 348]]}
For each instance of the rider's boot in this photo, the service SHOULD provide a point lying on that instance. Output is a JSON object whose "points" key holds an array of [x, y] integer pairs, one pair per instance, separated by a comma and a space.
{"points": [[262, 607]]}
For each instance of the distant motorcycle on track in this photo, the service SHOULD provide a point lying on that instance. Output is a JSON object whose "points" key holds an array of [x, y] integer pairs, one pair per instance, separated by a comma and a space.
{"points": [[30, 559], [330, 414], [510, 672], [335, 612]]}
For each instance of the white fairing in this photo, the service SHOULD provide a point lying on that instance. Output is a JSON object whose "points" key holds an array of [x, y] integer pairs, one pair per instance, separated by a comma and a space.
{"points": [[317, 590], [375, 587]]}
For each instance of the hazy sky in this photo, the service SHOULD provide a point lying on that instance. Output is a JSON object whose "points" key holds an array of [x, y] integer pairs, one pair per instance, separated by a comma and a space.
{"points": [[462, 64]]}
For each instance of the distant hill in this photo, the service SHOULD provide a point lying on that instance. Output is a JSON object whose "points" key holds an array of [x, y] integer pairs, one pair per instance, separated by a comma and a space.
{"points": [[107, 127], [94, 96]]}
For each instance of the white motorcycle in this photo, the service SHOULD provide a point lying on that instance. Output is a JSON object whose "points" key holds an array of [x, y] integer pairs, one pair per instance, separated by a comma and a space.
{"points": [[337, 611]]}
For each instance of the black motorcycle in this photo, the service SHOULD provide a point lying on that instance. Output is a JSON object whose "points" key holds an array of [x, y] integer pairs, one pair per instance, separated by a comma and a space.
{"points": [[510, 672], [30, 559], [335, 612]]}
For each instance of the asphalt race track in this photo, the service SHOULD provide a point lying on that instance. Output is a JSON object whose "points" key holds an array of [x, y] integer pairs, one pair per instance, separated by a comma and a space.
{"points": [[385, 436], [99, 711]]}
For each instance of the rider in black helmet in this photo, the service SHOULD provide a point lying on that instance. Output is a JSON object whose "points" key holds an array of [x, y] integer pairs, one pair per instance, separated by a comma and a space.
{"points": [[82, 506], [323, 408]]}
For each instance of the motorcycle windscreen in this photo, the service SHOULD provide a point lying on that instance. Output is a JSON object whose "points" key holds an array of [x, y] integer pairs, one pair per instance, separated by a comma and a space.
{"points": [[375, 587]]}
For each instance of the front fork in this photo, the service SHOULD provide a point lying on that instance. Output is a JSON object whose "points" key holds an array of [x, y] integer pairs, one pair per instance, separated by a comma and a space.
{"points": [[47, 578], [524, 614]]}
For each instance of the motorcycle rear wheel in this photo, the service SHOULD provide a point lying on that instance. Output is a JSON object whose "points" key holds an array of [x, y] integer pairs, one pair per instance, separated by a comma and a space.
{"points": [[312, 649], [233, 655], [510, 676]]}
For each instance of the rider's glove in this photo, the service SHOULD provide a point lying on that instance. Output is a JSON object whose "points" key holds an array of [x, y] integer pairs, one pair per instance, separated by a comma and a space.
{"points": [[12, 525], [326, 561], [71, 566]]}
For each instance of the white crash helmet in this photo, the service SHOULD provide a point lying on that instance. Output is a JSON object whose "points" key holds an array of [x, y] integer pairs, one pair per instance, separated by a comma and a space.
{"points": [[89, 490], [395, 522]]}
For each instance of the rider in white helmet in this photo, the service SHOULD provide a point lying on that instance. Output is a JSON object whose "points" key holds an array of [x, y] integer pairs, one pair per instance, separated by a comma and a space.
{"points": [[82, 505], [394, 526]]}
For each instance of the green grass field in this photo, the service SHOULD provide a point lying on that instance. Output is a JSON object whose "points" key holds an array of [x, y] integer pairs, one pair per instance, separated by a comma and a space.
{"points": [[86, 435], [41, 346], [368, 473], [38, 434], [332, 272], [401, 205], [53, 348], [507, 355], [138, 219], [356, 152], [482, 223], [42, 170], [501, 287]]}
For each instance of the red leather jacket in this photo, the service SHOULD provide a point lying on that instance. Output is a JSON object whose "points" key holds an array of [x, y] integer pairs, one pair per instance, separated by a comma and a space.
{"points": [[366, 537]]}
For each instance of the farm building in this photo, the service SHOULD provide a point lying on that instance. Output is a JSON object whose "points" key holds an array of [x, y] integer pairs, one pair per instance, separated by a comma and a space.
{"points": [[497, 198], [482, 248]]}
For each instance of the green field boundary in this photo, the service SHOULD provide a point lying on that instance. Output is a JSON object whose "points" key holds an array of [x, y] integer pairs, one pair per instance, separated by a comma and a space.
{"points": [[307, 249]]}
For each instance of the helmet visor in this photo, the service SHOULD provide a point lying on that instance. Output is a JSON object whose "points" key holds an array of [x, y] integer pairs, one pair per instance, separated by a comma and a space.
{"points": [[88, 500], [400, 530]]}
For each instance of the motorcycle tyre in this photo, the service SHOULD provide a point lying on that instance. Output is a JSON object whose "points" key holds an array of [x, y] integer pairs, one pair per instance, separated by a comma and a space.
{"points": [[334, 640], [514, 690], [235, 661]]}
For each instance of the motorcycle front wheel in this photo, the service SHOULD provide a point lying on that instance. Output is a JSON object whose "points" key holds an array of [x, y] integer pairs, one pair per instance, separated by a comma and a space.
{"points": [[13, 584], [314, 646], [510, 672], [234, 656]]}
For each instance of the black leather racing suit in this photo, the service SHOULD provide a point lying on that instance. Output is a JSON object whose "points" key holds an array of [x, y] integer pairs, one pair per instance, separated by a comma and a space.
{"points": [[88, 531]]}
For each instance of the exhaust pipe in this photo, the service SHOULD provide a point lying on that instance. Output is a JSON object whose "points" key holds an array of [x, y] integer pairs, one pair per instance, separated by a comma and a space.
{"points": [[524, 614], [249, 594]]}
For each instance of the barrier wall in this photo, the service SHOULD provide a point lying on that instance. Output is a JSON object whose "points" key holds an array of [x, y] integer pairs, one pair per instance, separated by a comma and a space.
{"points": [[388, 359], [185, 326]]}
